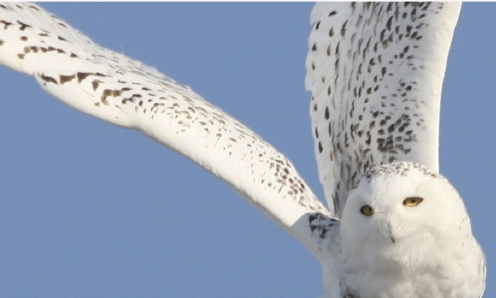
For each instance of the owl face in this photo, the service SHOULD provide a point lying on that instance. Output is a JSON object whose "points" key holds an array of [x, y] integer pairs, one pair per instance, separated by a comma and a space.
{"points": [[397, 213]]}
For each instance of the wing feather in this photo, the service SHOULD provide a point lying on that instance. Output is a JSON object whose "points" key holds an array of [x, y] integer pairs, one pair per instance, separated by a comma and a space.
{"points": [[376, 72], [125, 92]]}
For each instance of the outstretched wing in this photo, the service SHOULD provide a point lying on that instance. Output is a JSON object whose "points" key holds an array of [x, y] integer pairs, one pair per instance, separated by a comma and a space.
{"points": [[376, 72], [122, 91]]}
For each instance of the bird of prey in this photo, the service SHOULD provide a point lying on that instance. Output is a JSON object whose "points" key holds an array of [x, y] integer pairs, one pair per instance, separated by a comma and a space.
{"points": [[393, 226]]}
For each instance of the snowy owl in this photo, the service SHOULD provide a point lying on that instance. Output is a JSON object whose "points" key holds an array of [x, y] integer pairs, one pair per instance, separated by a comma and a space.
{"points": [[394, 226]]}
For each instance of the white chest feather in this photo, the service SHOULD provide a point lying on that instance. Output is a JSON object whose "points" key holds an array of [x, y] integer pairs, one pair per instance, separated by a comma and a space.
{"points": [[413, 269]]}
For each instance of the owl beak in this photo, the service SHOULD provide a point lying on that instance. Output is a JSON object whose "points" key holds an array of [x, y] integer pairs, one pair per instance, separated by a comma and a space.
{"points": [[390, 233], [385, 227]]}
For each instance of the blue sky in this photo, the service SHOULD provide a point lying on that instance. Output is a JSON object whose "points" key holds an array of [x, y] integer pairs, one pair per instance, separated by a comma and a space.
{"points": [[92, 210]]}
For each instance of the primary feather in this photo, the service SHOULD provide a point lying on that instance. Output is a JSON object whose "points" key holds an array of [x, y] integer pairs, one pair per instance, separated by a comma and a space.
{"points": [[376, 72], [125, 92]]}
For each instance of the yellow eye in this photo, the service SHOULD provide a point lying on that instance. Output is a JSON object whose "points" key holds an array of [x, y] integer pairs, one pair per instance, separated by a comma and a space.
{"points": [[412, 202], [367, 210]]}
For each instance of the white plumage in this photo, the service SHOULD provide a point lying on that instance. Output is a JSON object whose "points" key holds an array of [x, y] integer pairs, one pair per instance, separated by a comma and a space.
{"points": [[122, 91], [376, 73], [405, 233], [114, 88]]}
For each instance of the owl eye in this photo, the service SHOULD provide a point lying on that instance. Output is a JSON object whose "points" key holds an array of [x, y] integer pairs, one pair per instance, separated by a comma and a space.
{"points": [[367, 210], [412, 202]]}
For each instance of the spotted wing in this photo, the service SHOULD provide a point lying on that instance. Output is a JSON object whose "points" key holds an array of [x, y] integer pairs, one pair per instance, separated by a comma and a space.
{"points": [[375, 71], [124, 92]]}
